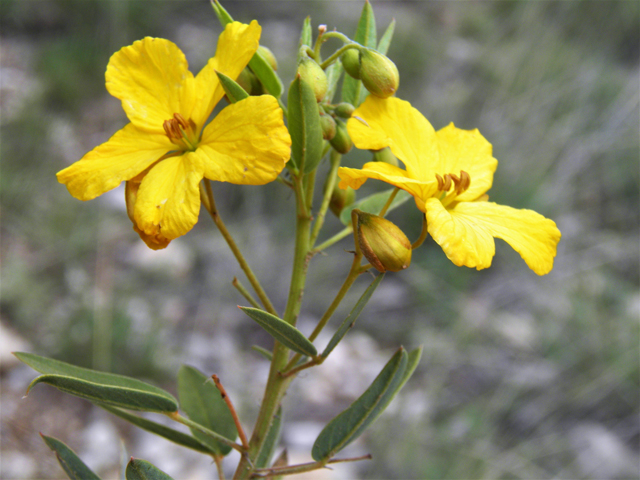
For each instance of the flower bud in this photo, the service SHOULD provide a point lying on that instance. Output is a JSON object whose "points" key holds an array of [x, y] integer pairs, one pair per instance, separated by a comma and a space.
{"points": [[268, 55], [383, 243], [386, 156], [313, 74], [379, 75], [344, 110], [249, 82], [351, 63], [341, 142], [328, 125]]}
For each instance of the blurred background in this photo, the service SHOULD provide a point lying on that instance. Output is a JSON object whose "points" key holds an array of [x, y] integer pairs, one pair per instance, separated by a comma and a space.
{"points": [[522, 376]]}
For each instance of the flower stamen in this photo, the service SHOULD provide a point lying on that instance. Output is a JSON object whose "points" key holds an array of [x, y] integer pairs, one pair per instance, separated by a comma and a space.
{"points": [[181, 132], [460, 184]]}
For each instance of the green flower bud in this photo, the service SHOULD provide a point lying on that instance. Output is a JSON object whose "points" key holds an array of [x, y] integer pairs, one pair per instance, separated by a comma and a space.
{"points": [[328, 125], [386, 156], [313, 74], [379, 75], [344, 110], [383, 243], [341, 142], [250, 82], [351, 63], [268, 55]]}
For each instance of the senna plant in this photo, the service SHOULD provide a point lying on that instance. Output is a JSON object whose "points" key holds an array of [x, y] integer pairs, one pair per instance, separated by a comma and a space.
{"points": [[172, 150]]}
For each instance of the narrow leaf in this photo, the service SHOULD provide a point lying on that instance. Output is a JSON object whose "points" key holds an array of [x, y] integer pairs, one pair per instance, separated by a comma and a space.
{"points": [[333, 72], [234, 92], [305, 36], [304, 126], [203, 403], [267, 75], [69, 461], [284, 333], [348, 425], [221, 13], [385, 41], [161, 430], [262, 351], [350, 321], [142, 470], [107, 388], [271, 442], [374, 203]]}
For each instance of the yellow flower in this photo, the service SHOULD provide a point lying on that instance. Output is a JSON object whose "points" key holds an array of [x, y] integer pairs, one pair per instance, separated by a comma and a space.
{"points": [[168, 146], [448, 173]]}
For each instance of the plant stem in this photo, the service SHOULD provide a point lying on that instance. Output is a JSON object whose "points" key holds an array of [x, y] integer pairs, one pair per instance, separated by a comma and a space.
{"points": [[423, 234], [210, 205], [276, 383], [185, 421], [218, 459], [331, 181], [386, 206], [234, 415], [335, 239], [243, 291], [304, 467]]}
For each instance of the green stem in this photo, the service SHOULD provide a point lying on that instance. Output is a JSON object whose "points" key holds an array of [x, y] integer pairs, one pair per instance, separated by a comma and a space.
{"points": [[304, 467], [210, 205], [326, 200], [276, 383], [244, 292], [338, 52], [423, 234], [185, 421], [384, 209], [335, 239]]}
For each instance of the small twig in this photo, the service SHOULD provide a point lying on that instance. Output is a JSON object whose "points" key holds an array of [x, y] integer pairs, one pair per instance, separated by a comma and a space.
{"points": [[191, 424], [423, 234], [244, 292], [303, 467], [227, 400], [218, 459]]}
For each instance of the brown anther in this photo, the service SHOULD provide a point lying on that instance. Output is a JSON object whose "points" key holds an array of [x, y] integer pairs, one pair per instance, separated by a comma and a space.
{"points": [[447, 183], [181, 121], [465, 181], [440, 182]]}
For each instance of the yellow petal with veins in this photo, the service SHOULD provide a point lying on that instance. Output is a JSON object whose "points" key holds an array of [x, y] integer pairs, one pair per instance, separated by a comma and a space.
{"points": [[236, 46], [127, 153], [465, 233], [354, 178], [153, 80], [246, 143], [168, 200], [392, 122]]}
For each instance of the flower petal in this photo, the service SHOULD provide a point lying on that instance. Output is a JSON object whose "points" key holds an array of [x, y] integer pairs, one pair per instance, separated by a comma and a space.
{"points": [[127, 153], [466, 150], [168, 201], [354, 178], [153, 80], [465, 233], [392, 122], [236, 46], [246, 143]]}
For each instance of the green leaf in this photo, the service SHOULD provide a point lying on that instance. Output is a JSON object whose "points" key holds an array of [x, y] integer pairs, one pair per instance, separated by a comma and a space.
{"points": [[284, 333], [262, 351], [271, 441], [385, 41], [234, 92], [69, 461], [352, 90], [333, 72], [102, 387], [348, 425], [267, 75], [161, 430], [350, 321], [142, 470], [221, 13], [203, 403], [304, 126], [374, 203], [305, 36]]}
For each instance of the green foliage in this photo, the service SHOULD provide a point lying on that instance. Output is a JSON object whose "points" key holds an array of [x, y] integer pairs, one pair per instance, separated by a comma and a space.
{"points": [[374, 203], [101, 387], [234, 92], [69, 461], [281, 331], [304, 126], [203, 403], [143, 470], [271, 443]]}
